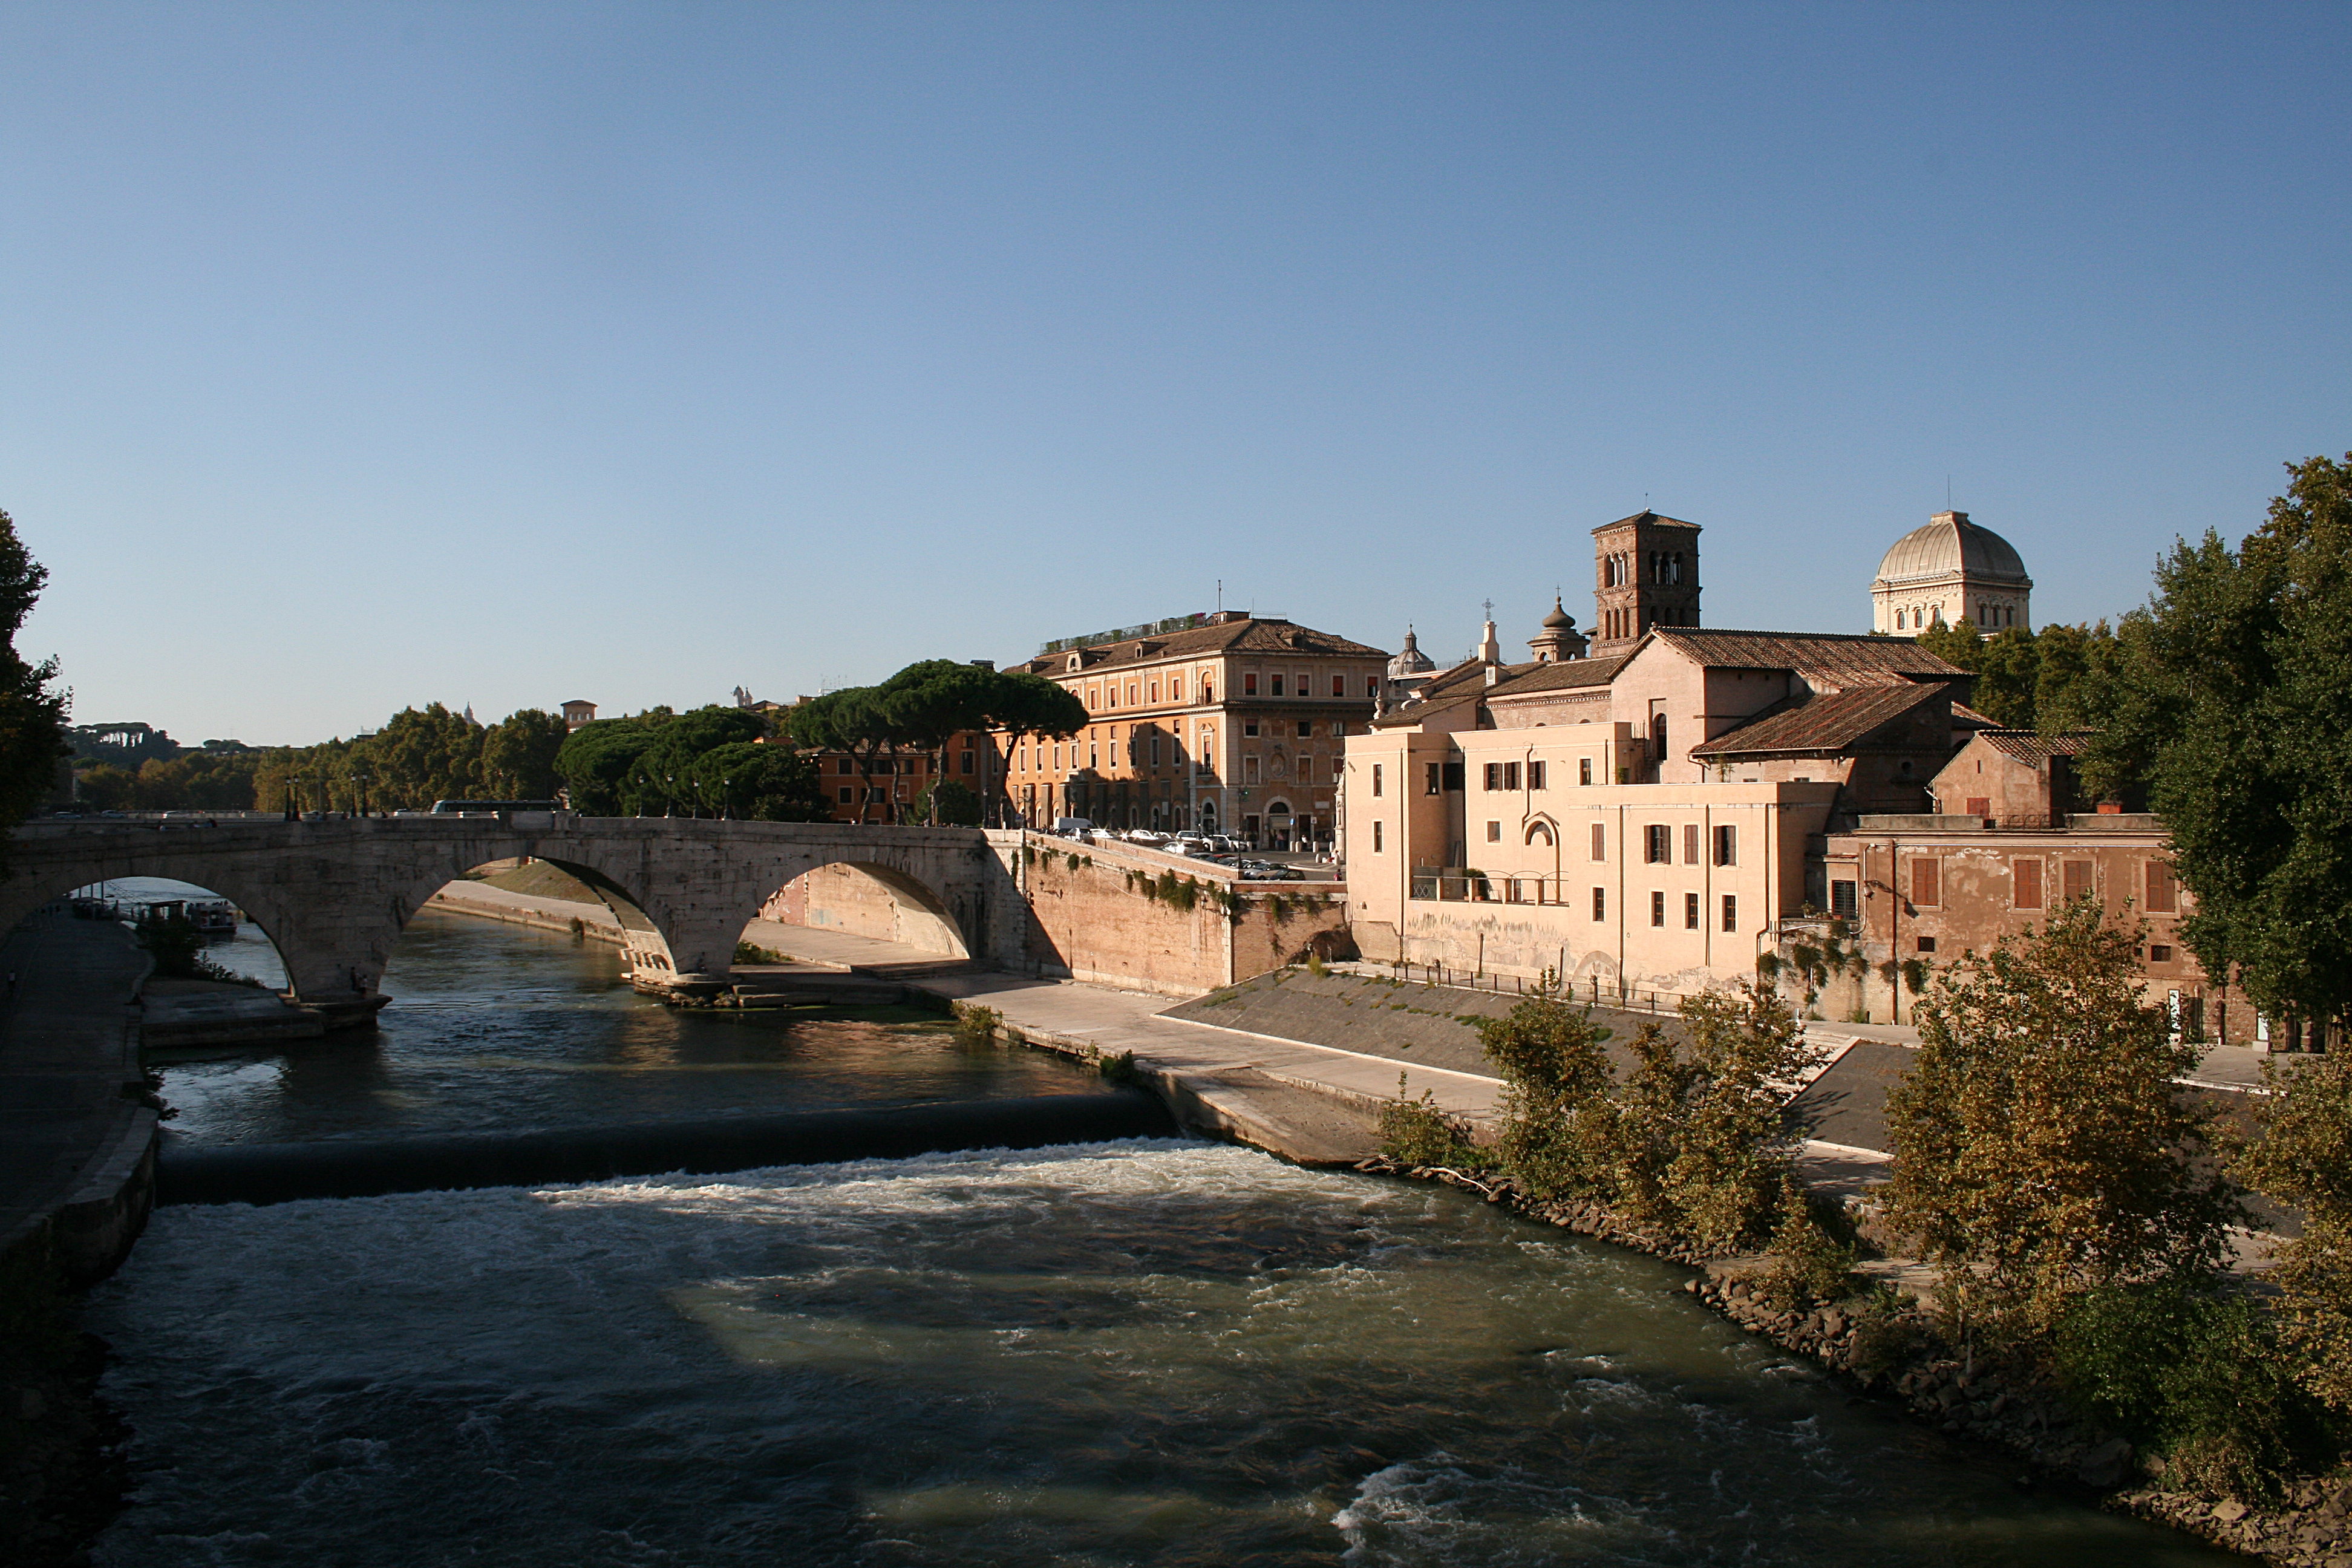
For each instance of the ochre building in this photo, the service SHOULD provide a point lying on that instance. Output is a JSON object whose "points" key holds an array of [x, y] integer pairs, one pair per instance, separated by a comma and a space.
{"points": [[1228, 722]]}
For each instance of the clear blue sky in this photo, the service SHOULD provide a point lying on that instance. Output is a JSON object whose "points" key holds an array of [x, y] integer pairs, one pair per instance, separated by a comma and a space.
{"points": [[353, 356]]}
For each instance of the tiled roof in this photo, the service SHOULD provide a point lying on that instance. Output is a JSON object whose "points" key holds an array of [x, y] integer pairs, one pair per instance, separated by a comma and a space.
{"points": [[1829, 723], [1566, 675], [1832, 660], [1252, 635], [2034, 746]]}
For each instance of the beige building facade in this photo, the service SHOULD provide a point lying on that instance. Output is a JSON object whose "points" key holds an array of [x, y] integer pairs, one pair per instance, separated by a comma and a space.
{"points": [[1231, 723]]}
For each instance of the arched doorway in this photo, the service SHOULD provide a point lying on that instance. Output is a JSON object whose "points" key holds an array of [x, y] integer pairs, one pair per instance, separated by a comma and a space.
{"points": [[1279, 827]]}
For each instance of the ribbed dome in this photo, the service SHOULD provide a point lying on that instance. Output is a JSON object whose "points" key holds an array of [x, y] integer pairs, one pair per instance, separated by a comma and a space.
{"points": [[1951, 543], [1411, 660]]}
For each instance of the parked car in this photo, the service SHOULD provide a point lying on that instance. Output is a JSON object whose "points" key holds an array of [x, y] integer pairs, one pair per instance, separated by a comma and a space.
{"points": [[1076, 828]]}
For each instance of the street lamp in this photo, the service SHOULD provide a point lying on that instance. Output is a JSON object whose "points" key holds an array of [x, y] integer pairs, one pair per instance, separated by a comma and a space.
{"points": [[726, 797]]}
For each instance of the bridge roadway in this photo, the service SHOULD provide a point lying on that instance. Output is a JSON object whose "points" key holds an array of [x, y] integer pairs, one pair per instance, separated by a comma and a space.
{"points": [[333, 894]]}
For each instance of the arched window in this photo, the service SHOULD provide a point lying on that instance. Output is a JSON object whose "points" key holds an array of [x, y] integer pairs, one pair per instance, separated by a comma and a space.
{"points": [[1898, 620], [1658, 736], [1539, 832]]}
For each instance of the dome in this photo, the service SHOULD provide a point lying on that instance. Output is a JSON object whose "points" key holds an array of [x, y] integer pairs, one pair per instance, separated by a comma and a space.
{"points": [[1951, 544], [1410, 660], [1560, 620]]}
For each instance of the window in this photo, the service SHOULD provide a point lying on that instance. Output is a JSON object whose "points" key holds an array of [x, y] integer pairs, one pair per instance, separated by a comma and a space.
{"points": [[1600, 903], [1927, 945], [1305, 770], [1131, 693], [1727, 845], [1305, 728], [1584, 770], [1434, 786], [877, 792], [1690, 843], [1094, 754], [1599, 845], [1926, 874], [2078, 880], [1339, 728], [1155, 691], [1658, 844], [966, 762], [1276, 688], [2162, 897], [1657, 909], [2157, 953], [1208, 690], [1731, 912], [1376, 836], [1249, 726], [1249, 684], [2025, 884], [1690, 911], [1249, 769], [1842, 900], [1536, 774], [1338, 686], [1979, 805], [1454, 777], [1494, 833], [1376, 779], [849, 795], [1493, 775], [1371, 686], [1057, 756], [845, 765], [1155, 750], [1510, 775]]}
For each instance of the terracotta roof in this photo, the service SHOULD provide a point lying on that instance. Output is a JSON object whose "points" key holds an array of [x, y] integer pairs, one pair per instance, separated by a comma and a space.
{"points": [[2034, 746], [1656, 520], [1562, 676], [1252, 635], [1829, 723], [1967, 718], [1826, 659]]}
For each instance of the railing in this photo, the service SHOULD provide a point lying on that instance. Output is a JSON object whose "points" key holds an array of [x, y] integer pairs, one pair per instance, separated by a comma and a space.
{"points": [[1490, 888], [1594, 989]]}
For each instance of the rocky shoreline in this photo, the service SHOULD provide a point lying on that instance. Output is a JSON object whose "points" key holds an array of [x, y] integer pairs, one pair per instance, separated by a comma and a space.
{"points": [[1893, 1355]]}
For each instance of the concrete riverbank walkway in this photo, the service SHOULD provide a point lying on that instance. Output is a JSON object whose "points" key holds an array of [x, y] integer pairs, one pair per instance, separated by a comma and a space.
{"points": [[75, 1144]]}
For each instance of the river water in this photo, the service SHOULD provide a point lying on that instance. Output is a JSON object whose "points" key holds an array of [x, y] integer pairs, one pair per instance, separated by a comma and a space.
{"points": [[1158, 1352]]}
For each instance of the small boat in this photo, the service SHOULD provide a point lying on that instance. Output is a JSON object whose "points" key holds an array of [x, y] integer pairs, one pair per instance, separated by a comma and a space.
{"points": [[213, 916]]}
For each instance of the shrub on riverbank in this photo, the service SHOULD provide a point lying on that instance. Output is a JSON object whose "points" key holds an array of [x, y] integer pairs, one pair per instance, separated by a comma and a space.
{"points": [[1689, 1142]]}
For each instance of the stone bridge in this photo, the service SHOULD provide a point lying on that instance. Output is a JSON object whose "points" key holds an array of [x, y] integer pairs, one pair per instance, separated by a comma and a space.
{"points": [[333, 895]]}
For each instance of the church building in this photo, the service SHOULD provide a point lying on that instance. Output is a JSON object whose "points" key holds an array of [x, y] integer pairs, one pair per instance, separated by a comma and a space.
{"points": [[1951, 570]]}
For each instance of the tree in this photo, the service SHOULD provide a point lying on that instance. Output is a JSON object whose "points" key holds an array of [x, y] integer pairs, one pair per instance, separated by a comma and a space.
{"points": [[1557, 1116], [596, 760], [761, 782], [107, 788], [2039, 1148], [665, 773], [420, 755], [855, 720], [1026, 705], [2303, 1161], [947, 804], [2234, 699], [32, 711], [518, 755]]}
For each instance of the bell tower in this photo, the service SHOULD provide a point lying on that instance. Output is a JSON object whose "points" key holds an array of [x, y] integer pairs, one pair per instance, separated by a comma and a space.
{"points": [[1645, 573]]}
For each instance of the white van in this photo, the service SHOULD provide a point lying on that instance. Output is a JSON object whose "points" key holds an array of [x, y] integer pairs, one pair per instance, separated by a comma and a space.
{"points": [[1076, 828]]}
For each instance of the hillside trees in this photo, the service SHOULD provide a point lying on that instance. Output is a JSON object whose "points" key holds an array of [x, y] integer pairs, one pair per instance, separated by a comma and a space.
{"points": [[32, 711]]}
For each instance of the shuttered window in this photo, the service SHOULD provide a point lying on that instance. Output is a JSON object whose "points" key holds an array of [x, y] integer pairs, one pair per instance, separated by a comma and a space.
{"points": [[2025, 884], [1926, 879]]}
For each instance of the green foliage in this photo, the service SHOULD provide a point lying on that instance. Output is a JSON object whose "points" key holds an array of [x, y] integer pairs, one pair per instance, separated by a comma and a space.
{"points": [[947, 804], [174, 945], [2303, 1161], [1416, 1132], [32, 711], [2237, 702], [759, 782], [1555, 1109], [1707, 1117], [2040, 1150], [1120, 1069], [2197, 1378], [107, 788], [597, 760], [1812, 1250], [976, 1025], [518, 755], [1888, 1330], [753, 953]]}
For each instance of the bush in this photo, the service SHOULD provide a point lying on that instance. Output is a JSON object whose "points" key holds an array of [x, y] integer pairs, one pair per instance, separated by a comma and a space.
{"points": [[2197, 1378], [1120, 1068], [1812, 1251], [1416, 1132], [1888, 1332], [976, 1025], [753, 953]]}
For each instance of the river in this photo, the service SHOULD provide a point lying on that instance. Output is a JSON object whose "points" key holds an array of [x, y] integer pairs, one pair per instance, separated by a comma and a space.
{"points": [[1160, 1351]]}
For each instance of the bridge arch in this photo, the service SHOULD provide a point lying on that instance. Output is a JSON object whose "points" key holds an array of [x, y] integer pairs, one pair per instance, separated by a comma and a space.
{"points": [[875, 899]]}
